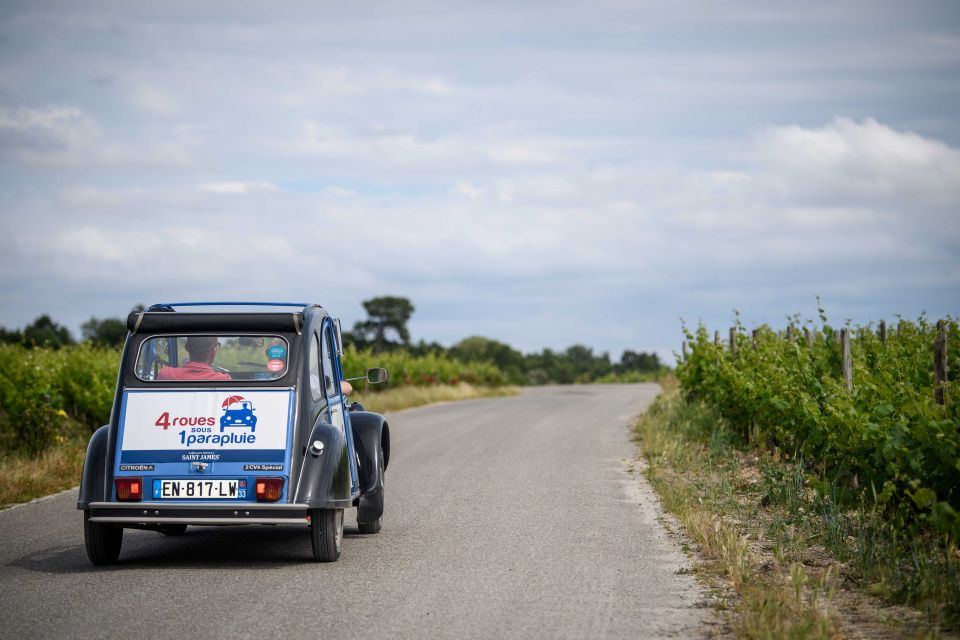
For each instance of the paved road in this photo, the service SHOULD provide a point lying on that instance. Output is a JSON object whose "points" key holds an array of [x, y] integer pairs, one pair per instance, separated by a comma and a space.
{"points": [[506, 518]]}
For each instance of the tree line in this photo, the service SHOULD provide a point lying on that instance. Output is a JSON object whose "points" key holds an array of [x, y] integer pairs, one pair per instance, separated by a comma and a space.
{"points": [[385, 330], [45, 333]]}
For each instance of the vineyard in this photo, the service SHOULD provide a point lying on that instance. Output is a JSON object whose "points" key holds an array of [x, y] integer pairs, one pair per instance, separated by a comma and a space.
{"points": [[47, 395], [886, 433], [426, 370], [856, 432]]}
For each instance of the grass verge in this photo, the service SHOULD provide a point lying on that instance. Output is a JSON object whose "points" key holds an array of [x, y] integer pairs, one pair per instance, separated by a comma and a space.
{"points": [[786, 559], [26, 478], [59, 467], [397, 398]]}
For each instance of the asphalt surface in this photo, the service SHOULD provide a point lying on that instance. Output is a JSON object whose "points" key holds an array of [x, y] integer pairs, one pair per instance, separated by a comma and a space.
{"points": [[505, 518]]}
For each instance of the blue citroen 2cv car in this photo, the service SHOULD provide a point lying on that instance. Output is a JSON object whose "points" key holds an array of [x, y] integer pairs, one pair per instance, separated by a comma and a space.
{"points": [[233, 414]]}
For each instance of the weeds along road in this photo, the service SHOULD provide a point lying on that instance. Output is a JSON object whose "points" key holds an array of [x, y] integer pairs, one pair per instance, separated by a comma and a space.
{"points": [[505, 518]]}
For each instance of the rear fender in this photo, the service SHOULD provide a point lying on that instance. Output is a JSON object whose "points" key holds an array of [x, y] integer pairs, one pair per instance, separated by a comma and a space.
{"points": [[370, 432], [324, 481], [93, 481]]}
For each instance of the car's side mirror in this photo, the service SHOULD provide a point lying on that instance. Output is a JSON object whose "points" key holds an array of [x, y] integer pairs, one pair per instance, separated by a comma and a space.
{"points": [[376, 375]]}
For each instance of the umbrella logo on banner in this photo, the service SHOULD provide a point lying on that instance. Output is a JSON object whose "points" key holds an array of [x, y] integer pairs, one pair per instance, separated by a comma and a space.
{"points": [[231, 400]]}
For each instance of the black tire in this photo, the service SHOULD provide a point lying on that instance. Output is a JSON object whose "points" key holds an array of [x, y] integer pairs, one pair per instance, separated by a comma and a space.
{"points": [[173, 529], [371, 527], [326, 534], [376, 525], [103, 541]]}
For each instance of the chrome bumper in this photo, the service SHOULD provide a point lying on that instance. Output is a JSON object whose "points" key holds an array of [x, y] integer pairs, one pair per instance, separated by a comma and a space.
{"points": [[192, 513]]}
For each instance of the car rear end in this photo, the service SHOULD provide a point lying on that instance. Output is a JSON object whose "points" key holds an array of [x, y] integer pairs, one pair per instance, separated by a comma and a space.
{"points": [[203, 424]]}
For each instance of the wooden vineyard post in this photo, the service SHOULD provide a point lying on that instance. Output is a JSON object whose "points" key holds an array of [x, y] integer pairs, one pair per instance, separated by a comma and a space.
{"points": [[756, 332], [847, 360], [940, 364], [716, 337], [789, 333], [683, 352], [733, 342], [883, 332], [808, 336]]}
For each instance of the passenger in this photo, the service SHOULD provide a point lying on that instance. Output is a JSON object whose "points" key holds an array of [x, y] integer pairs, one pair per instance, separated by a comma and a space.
{"points": [[345, 387], [202, 350]]}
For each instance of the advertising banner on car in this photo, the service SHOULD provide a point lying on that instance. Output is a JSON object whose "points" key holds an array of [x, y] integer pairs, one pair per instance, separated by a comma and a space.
{"points": [[205, 425]]}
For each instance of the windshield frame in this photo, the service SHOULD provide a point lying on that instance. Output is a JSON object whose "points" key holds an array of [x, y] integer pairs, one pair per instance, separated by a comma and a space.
{"points": [[147, 341]]}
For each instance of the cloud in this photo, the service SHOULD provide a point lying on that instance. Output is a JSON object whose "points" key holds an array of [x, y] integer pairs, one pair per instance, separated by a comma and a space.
{"points": [[854, 160], [150, 257], [30, 133], [155, 100], [613, 220], [466, 188], [350, 81], [236, 187], [64, 121], [517, 154], [68, 138]]}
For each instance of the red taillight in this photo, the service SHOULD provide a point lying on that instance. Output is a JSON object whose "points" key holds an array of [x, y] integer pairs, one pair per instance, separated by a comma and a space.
{"points": [[269, 489], [129, 489]]}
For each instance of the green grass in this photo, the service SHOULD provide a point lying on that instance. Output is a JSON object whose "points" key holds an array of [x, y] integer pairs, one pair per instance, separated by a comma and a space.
{"points": [[775, 536], [29, 477]]}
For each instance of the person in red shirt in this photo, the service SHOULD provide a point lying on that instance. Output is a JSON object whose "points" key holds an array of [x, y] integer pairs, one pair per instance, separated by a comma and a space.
{"points": [[202, 350]]}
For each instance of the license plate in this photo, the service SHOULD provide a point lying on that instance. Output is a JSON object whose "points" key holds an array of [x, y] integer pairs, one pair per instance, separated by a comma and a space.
{"points": [[192, 489]]}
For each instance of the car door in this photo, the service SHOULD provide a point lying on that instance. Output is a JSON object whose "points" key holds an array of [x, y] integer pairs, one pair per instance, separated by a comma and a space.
{"points": [[336, 408]]}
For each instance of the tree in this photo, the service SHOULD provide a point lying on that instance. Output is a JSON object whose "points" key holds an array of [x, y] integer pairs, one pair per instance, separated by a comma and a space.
{"points": [[632, 361], [385, 313], [44, 332], [480, 349], [585, 365], [548, 367], [424, 348], [109, 332], [11, 336]]}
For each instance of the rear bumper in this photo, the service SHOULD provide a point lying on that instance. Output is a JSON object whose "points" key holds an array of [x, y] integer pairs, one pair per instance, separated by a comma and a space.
{"points": [[166, 513]]}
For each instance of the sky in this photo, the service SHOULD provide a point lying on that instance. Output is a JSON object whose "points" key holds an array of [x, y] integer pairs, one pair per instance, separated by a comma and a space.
{"points": [[541, 173]]}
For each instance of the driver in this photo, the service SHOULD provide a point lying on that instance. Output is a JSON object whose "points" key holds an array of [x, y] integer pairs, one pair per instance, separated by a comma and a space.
{"points": [[202, 350]]}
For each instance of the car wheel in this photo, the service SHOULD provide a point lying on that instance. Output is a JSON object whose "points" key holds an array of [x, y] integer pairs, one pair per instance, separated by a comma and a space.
{"points": [[326, 534], [173, 529], [102, 541], [371, 527], [376, 525]]}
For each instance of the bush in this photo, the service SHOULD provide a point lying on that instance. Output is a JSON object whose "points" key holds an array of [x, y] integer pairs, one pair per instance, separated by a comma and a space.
{"points": [[886, 441], [424, 370], [41, 390], [29, 399]]}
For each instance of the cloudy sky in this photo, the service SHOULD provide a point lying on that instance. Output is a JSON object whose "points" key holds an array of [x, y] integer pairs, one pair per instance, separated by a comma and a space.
{"points": [[544, 173]]}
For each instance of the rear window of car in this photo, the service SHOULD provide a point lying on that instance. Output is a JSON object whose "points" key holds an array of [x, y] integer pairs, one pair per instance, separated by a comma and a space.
{"points": [[212, 358]]}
